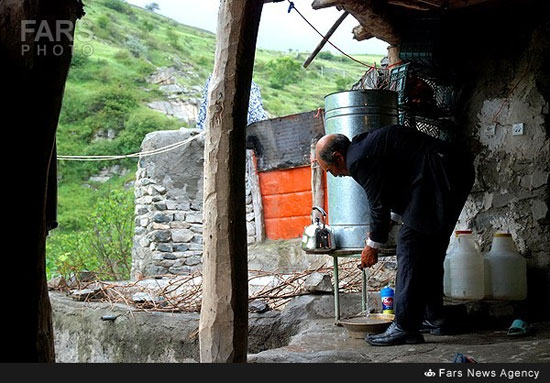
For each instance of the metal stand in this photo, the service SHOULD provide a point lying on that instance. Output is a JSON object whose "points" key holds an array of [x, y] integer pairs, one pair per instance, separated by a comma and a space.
{"points": [[346, 254], [351, 253]]}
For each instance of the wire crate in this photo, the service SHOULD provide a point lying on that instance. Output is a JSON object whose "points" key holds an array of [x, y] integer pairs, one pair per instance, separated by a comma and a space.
{"points": [[425, 102]]}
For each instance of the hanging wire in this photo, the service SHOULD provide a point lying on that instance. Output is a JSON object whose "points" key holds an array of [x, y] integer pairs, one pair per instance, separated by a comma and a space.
{"points": [[292, 6], [146, 153]]}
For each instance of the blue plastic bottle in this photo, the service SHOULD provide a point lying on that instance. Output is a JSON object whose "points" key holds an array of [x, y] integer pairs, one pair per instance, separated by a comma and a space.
{"points": [[386, 294]]}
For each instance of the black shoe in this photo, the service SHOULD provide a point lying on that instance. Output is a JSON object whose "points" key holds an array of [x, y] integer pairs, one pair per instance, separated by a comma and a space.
{"points": [[395, 335], [433, 328]]}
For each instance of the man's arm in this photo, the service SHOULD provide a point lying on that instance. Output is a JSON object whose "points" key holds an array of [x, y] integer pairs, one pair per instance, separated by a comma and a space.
{"points": [[370, 175]]}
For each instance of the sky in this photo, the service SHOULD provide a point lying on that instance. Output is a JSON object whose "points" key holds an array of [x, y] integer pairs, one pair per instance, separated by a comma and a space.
{"points": [[279, 30]]}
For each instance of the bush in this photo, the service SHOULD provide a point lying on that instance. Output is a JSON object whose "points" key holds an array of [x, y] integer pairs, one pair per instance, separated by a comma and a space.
{"points": [[107, 28], [118, 5], [326, 56], [141, 123], [110, 107], [343, 83], [147, 25], [79, 59], [135, 46], [104, 247], [282, 71], [75, 106], [172, 37], [103, 22], [122, 55]]}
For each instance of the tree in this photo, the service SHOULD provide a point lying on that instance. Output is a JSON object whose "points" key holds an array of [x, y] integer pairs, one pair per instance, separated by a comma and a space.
{"points": [[152, 7]]}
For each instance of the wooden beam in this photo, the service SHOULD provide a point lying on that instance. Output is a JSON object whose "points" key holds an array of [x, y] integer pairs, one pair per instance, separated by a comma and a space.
{"points": [[410, 5], [33, 75], [223, 328], [325, 39], [433, 3], [256, 195], [375, 19], [393, 56], [360, 33], [320, 4], [456, 4], [317, 190]]}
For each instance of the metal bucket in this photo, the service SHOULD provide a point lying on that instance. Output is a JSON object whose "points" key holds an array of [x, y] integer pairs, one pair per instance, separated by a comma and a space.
{"points": [[351, 113]]}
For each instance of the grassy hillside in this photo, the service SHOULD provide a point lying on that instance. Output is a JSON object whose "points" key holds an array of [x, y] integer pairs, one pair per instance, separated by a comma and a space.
{"points": [[107, 92]]}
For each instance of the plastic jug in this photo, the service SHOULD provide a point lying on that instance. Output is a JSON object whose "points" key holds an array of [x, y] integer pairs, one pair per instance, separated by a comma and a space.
{"points": [[446, 263], [466, 269], [506, 273]]}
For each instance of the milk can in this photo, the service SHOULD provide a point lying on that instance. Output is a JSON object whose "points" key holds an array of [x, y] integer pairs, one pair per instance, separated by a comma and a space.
{"points": [[466, 269], [447, 282], [351, 113], [506, 273]]}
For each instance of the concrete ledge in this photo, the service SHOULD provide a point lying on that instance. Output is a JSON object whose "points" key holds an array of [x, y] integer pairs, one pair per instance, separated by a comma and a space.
{"points": [[81, 335]]}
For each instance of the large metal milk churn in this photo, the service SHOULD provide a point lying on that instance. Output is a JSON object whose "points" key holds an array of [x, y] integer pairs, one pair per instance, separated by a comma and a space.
{"points": [[351, 113]]}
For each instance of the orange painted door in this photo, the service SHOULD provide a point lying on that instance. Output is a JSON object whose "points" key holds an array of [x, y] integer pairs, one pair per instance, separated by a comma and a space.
{"points": [[286, 198]]}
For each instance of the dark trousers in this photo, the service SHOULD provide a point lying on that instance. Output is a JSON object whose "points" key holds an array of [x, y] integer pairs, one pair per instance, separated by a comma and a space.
{"points": [[419, 284]]}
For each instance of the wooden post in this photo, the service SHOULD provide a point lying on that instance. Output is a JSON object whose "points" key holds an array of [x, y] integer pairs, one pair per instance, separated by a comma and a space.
{"points": [[317, 191], [34, 70], [223, 330], [256, 195], [393, 56], [325, 39]]}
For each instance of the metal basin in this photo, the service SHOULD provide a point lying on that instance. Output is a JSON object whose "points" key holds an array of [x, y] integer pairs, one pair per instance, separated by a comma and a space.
{"points": [[359, 327]]}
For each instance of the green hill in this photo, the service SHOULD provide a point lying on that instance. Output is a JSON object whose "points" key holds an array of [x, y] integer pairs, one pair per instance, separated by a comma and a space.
{"points": [[117, 47]]}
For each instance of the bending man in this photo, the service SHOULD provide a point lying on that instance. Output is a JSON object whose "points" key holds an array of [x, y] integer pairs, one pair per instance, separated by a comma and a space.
{"points": [[426, 182]]}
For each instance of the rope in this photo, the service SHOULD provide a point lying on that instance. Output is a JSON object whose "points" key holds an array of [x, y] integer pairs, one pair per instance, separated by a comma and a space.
{"points": [[292, 6], [146, 153]]}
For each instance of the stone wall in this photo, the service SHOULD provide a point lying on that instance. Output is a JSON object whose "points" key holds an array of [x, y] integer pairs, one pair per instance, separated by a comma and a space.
{"points": [[168, 199], [511, 192]]}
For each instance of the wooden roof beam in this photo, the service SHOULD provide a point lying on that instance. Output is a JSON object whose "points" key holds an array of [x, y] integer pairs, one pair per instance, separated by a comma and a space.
{"points": [[417, 6], [374, 19], [360, 33], [320, 4]]}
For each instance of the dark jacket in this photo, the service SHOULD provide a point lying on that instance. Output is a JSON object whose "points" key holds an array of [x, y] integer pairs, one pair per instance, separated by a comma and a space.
{"points": [[421, 178]]}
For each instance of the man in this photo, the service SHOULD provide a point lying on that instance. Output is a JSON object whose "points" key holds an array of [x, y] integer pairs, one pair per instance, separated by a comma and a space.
{"points": [[426, 182]]}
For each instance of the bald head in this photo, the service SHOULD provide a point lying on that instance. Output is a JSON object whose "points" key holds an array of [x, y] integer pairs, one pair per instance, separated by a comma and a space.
{"points": [[330, 152]]}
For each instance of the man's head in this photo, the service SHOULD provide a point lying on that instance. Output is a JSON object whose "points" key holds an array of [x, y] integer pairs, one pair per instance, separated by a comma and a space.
{"points": [[330, 152]]}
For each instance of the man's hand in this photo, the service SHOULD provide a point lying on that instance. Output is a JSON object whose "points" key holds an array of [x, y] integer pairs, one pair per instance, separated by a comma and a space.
{"points": [[369, 256]]}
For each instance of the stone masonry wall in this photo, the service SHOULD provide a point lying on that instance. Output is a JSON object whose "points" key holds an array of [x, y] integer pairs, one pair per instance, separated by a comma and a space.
{"points": [[168, 206]]}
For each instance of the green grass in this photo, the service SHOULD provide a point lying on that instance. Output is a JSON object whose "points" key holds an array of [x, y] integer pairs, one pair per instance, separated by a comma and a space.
{"points": [[107, 90]]}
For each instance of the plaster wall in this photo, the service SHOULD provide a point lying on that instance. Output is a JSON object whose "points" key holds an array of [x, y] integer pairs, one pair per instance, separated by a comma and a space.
{"points": [[511, 192]]}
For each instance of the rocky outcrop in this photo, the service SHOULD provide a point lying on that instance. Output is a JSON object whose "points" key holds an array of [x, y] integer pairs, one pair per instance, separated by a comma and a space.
{"points": [[181, 102]]}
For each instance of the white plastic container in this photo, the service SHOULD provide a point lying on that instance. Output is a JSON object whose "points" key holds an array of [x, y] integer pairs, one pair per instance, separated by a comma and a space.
{"points": [[447, 282], [466, 269], [506, 274]]}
